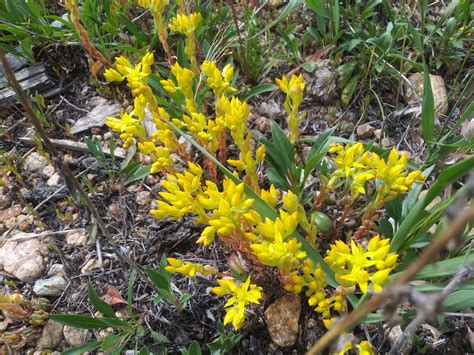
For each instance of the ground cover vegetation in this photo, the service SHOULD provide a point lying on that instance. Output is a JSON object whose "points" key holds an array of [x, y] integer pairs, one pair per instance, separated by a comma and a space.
{"points": [[297, 170]]}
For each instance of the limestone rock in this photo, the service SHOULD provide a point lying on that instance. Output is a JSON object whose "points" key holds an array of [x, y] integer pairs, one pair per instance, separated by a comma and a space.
{"points": [[24, 259], [35, 162], [321, 83], [51, 336], [365, 130], [53, 286], [9, 213], [282, 319], [97, 116], [74, 336], [78, 238], [414, 92], [143, 198]]}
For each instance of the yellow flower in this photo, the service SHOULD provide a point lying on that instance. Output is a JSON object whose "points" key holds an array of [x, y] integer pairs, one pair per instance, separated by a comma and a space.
{"points": [[240, 297], [356, 266], [365, 348], [184, 78], [271, 196], [188, 269], [279, 252], [154, 5], [293, 89], [180, 196], [185, 24], [217, 81]]}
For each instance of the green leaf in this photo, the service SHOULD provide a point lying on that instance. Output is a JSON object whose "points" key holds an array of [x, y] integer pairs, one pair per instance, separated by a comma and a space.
{"points": [[144, 351], [194, 349], [427, 108], [112, 340], [458, 300], [443, 268], [447, 177], [98, 304], [259, 89], [161, 283], [81, 349], [86, 322], [284, 146], [159, 338]]}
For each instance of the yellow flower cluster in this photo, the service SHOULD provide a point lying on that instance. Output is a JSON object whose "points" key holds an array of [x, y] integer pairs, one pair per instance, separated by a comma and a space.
{"points": [[356, 266], [189, 269], [235, 113], [241, 296], [219, 82], [293, 89], [159, 144], [363, 348], [230, 213], [358, 166], [184, 81], [187, 25]]}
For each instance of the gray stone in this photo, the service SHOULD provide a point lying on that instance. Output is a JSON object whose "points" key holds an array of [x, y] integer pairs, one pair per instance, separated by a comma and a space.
{"points": [[74, 336], [53, 286], [51, 336], [35, 162]]}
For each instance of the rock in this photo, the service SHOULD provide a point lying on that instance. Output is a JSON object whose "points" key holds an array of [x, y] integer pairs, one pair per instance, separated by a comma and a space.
{"points": [[365, 130], [282, 319], [4, 202], [10, 223], [56, 270], [271, 109], [97, 116], [321, 83], [414, 92], [35, 162], [53, 286], [24, 259], [263, 124], [54, 180], [25, 222], [51, 336], [11, 212], [143, 198], [48, 171], [468, 131], [385, 142], [76, 239], [91, 265], [378, 133], [74, 336]]}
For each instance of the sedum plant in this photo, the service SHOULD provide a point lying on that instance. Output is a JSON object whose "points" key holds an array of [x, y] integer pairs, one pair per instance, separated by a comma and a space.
{"points": [[199, 103], [254, 196]]}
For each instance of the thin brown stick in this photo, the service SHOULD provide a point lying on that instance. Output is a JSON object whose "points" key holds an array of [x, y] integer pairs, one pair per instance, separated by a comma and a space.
{"points": [[243, 54], [75, 188], [376, 300]]}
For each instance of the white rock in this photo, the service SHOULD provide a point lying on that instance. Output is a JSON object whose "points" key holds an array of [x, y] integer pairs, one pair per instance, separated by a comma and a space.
{"points": [[48, 171], [35, 161], [77, 238], [24, 259], [469, 133], [143, 198], [53, 286], [91, 265], [365, 130], [414, 92], [54, 180], [56, 270], [74, 336]]}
